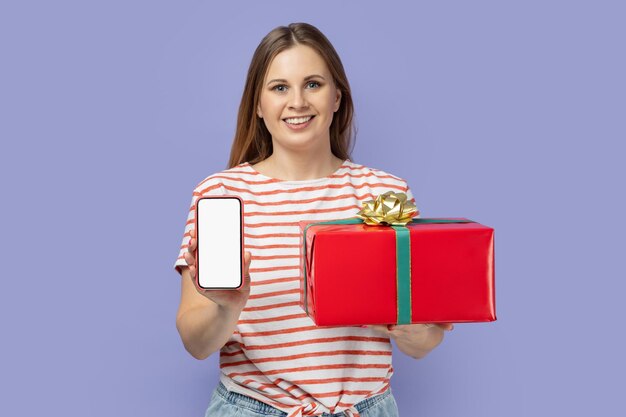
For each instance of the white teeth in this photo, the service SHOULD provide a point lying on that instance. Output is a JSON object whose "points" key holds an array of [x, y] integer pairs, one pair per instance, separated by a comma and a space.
{"points": [[298, 120]]}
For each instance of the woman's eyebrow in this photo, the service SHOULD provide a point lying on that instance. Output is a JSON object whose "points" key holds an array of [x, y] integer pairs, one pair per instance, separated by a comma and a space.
{"points": [[307, 78]]}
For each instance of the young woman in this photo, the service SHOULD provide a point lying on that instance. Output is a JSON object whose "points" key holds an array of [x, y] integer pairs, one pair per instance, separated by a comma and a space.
{"points": [[289, 162]]}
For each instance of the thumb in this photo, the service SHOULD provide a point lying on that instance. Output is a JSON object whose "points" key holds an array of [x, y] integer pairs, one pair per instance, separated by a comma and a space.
{"points": [[246, 268], [247, 258]]}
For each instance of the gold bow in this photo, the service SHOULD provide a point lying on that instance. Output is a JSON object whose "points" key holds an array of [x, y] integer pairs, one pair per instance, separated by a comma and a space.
{"points": [[388, 209]]}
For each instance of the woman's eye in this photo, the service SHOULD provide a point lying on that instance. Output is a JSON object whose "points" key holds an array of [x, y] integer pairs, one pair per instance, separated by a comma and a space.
{"points": [[281, 88]]}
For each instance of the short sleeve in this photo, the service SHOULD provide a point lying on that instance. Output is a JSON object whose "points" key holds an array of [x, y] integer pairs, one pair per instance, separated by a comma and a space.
{"points": [[207, 187], [410, 197]]}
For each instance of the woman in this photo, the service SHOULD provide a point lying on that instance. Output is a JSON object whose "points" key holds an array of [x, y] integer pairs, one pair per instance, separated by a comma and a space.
{"points": [[290, 161]]}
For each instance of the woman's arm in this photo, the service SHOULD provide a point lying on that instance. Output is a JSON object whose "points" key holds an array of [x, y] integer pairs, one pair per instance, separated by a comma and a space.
{"points": [[207, 318], [204, 326]]}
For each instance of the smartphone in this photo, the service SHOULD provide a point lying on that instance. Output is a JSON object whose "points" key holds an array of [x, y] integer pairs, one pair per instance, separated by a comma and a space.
{"points": [[219, 236]]}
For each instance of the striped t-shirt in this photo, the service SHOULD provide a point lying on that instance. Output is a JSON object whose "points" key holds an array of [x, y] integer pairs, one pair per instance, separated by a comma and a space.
{"points": [[277, 355]]}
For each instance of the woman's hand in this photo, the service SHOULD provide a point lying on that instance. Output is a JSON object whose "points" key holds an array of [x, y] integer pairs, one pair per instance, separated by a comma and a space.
{"points": [[416, 340], [229, 299]]}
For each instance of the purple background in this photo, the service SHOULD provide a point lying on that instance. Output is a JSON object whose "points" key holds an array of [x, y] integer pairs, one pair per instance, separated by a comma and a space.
{"points": [[508, 113]]}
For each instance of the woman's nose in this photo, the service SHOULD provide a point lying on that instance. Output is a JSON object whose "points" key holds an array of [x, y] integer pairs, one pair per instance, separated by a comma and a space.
{"points": [[297, 100]]}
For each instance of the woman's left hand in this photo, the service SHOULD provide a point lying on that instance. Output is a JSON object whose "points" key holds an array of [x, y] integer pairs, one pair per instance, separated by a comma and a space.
{"points": [[406, 331], [416, 340]]}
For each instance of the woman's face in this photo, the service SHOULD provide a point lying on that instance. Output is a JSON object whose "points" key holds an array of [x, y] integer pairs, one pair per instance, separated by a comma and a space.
{"points": [[298, 100]]}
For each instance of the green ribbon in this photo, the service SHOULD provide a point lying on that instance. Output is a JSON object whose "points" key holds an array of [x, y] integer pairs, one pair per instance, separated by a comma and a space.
{"points": [[403, 261]]}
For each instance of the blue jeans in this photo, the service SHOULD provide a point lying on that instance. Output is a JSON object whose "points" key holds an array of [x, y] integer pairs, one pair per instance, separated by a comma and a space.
{"points": [[233, 404]]}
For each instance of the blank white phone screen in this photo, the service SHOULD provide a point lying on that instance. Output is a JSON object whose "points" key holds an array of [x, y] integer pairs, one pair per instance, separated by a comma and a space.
{"points": [[219, 243]]}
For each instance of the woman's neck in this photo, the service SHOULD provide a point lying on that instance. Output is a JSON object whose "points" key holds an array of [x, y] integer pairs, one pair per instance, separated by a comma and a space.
{"points": [[298, 167]]}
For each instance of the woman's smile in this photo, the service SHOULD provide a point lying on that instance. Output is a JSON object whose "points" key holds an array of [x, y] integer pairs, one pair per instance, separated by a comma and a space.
{"points": [[298, 123]]}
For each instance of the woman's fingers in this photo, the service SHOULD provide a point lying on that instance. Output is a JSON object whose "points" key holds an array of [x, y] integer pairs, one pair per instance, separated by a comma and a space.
{"points": [[192, 241], [190, 259], [379, 328], [410, 328], [191, 262], [190, 255]]}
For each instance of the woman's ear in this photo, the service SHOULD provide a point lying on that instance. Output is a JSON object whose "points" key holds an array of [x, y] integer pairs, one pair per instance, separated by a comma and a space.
{"points": [[337, 100], [258, 111]]}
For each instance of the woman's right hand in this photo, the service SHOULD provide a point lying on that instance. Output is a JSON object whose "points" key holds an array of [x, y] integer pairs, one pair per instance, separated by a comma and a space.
{"points": [[228, 299]]}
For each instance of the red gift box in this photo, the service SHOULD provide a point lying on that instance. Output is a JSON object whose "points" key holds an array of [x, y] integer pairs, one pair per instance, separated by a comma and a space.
{"points": [[352, 273]]}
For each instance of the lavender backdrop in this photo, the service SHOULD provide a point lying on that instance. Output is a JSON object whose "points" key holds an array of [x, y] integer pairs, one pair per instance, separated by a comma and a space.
{"points": [[509, 113]]}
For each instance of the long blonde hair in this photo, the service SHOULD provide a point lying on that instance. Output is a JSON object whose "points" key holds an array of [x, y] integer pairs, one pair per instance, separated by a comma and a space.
{"points": [[253, 142]]}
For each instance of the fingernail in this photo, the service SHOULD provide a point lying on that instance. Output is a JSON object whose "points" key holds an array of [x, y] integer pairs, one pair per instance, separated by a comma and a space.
{"points": [[364, 326]]}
